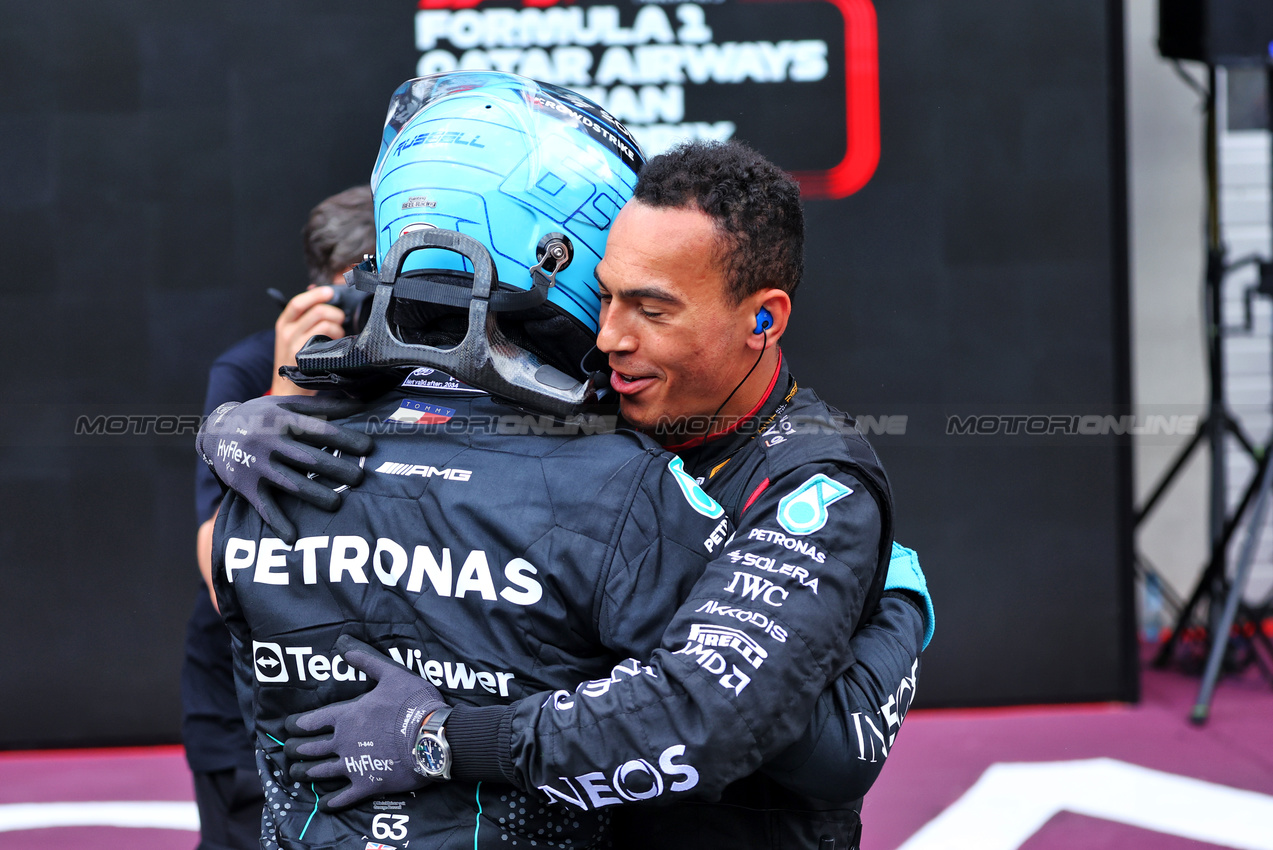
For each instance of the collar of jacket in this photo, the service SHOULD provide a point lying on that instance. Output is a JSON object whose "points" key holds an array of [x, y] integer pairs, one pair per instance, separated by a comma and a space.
{"points": [[716, 448]]}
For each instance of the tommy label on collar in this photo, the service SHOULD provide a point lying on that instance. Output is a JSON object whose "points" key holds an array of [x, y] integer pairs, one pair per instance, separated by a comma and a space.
{"points": [[421, 413]]}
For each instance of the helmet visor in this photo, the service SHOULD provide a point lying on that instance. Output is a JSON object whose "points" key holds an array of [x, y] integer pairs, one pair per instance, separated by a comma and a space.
{"points": [[410, 98]]}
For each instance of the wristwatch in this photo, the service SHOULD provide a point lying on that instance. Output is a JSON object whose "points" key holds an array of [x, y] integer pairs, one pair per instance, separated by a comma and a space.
{"points": [[432, 752]]}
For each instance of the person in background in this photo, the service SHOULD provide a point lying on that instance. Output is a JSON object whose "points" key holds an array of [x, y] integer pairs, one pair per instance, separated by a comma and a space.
{"points": [[338, 232]]}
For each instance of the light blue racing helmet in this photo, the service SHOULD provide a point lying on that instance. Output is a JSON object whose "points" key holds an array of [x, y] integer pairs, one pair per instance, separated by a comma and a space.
{"points": [[494, 194], [523, 167]]}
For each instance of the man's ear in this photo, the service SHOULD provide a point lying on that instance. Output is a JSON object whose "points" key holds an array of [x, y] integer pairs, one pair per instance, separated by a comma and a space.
{"points": [[778, 303]]}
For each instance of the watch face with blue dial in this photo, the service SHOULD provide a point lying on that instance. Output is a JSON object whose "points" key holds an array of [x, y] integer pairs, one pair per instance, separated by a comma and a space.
{"points": [[432, 754]]}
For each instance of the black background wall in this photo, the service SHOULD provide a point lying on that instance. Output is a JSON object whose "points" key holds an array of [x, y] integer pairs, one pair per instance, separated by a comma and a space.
{"points": [[157, 161]]}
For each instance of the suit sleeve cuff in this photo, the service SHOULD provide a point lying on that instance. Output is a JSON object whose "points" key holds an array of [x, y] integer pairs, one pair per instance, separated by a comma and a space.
{"points": [[481, 742]]}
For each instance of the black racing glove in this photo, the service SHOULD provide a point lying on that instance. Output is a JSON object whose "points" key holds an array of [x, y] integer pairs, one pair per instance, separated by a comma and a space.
{"points": [[372, 737], [271, 442]]}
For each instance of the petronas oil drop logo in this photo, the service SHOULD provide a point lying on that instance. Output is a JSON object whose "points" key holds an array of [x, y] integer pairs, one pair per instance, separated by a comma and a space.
{"points": [[804, 510], [694, 494]]}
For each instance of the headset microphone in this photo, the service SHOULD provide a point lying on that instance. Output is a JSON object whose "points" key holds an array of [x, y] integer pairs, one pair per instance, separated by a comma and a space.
{"points": [[764, 321]]}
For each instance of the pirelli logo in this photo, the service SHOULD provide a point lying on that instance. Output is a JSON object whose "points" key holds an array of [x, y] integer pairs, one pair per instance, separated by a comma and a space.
{"points": [[390, 467]]}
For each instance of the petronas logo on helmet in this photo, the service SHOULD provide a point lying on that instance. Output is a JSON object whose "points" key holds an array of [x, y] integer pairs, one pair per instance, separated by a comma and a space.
{"points": [[804, 510]]}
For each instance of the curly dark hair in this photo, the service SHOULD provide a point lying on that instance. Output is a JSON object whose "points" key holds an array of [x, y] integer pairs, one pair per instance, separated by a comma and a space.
{"points": [[755, 204]]}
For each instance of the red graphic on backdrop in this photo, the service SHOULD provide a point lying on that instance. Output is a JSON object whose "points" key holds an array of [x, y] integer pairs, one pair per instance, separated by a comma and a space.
{"points": [[861, 89], [862, 107], [469, 4]]}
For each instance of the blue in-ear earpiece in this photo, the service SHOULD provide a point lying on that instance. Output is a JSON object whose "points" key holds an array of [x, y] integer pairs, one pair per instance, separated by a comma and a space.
{"points": [[764, 321]]}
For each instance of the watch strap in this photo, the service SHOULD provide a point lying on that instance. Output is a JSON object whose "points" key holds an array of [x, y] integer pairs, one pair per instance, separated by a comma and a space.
{"points": [[436, 719]]}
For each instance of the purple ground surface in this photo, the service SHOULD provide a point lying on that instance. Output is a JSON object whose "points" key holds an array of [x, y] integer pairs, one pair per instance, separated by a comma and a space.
{"points": [[938, 756], [151, 773]]}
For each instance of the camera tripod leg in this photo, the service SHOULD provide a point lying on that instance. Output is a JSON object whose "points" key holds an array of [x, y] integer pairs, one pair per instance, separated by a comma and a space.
{"points": [[1214, 568], [1170, 475], [1220, 634]]}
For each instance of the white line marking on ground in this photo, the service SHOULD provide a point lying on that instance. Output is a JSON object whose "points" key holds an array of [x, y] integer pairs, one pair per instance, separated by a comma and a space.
{"points": [[153, 815], [1011, 802]]}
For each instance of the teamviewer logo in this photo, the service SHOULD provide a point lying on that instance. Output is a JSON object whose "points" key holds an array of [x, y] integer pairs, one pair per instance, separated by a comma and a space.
{"points": [[268, 660]]}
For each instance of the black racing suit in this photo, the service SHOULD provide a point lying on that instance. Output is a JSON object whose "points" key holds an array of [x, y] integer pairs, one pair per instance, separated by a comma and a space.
{"points": [[750, 471], [854, 721], [741, 666], [496, 562]]}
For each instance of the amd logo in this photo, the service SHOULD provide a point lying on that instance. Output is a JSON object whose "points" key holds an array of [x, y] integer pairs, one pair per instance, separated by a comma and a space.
{"points": [[713, 662]]}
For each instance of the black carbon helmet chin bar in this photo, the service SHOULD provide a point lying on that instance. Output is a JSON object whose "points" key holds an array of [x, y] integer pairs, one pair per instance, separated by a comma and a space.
{"points": [[485, 358]]}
